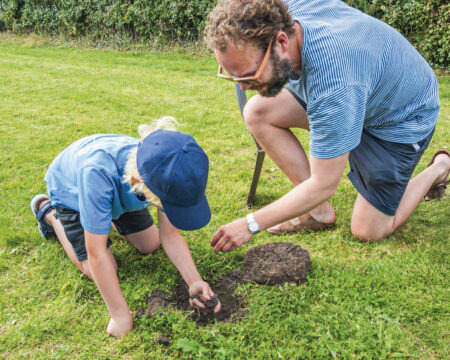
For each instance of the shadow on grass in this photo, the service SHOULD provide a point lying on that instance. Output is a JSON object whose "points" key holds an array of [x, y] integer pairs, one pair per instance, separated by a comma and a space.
{"points": [[262, 200]]}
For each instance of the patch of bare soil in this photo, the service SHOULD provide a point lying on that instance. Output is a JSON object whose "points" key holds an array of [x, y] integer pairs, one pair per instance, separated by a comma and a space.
{"points": [[162, 301], [224, 289], [276, 263], [270, 264]]}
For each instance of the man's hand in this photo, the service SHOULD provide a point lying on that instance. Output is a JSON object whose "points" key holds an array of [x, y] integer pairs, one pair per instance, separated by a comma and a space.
{"points": [[231, 236], [201, 289], [120, 326]]}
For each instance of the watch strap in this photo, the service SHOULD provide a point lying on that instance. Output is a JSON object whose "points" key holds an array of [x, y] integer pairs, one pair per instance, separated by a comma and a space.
{"points": [[252, 224]]}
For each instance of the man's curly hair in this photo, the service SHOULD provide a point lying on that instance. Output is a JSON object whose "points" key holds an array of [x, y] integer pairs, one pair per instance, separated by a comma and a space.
{"points": [[242, 21]]}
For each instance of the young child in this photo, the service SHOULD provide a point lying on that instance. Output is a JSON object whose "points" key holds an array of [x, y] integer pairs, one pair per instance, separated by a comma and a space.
{"points": [[103, 180]]}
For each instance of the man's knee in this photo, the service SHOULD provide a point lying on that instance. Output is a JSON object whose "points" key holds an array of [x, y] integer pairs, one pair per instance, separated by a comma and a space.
{"points": [[363, 235], [367, 227], [368, 223], [255, 113], [367, 234]]}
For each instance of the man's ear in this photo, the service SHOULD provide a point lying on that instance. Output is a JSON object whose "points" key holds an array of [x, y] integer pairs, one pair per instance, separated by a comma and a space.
{"points": [[281, 38]]}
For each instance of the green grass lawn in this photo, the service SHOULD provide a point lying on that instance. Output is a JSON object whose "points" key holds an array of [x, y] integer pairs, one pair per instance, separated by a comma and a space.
{"points": [[359, 302]]}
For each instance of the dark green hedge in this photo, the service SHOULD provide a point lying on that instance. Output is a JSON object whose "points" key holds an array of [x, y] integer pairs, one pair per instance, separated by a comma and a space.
{"points": [[424, 22], [139, 20]]}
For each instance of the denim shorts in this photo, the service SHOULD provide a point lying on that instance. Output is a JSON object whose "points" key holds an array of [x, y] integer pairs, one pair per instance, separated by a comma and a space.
{"points": [[128, 223], [381, 170]]}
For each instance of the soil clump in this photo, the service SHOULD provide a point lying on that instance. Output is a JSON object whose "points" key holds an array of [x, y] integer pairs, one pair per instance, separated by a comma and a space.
{"points": [[276, 263], [163, 340], [270, 264], [160, 302]]}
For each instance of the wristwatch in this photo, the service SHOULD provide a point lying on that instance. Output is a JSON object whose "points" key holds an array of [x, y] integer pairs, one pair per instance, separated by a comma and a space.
{"points": [[252, 224]]}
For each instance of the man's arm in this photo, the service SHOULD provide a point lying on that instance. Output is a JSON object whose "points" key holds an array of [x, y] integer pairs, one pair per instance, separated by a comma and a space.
{"points": [[178, 252], [105, 277], [325, 177]]}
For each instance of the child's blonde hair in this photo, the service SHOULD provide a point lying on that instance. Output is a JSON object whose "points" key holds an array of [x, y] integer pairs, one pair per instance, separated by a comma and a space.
{"points": [[131, 170]]}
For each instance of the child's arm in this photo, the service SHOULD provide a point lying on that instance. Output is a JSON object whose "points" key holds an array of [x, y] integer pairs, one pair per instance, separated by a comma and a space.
{"points": [[178, 252], [105, 277]]}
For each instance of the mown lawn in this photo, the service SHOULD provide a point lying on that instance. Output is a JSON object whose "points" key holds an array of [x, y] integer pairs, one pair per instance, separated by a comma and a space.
{"points": [[359, 301]]}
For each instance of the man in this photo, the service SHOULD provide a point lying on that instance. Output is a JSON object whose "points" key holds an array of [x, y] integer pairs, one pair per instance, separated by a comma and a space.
{"points": [[360, 88]]}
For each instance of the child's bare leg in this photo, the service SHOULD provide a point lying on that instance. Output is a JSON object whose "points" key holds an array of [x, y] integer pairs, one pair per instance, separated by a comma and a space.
{"points": [[83, 266], [146, 241], [87, 270]]}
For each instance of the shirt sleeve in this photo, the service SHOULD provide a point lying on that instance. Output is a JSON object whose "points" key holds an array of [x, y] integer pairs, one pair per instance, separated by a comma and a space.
{"points": [[95, 200], [336, 121]]}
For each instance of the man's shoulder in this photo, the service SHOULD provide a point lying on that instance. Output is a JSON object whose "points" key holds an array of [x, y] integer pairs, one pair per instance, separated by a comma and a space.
{"points": [[319, 9]]}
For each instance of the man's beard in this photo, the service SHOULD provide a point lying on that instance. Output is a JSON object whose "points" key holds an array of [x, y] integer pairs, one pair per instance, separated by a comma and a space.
{"points": [[281, 72]]}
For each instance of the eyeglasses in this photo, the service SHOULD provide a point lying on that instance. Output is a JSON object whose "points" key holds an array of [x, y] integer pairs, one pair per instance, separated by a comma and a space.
{"points": [[252, 80]]}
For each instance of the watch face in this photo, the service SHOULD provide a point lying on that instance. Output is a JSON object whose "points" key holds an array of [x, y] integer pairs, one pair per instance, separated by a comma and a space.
{"points": [[253, 227]]}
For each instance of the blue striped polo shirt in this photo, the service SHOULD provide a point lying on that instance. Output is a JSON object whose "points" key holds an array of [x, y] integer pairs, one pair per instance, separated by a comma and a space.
{"points": [[359, 73]]}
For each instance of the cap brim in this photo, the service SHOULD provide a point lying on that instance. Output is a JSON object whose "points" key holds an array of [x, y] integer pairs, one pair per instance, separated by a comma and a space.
{"points": [[188, 218]]}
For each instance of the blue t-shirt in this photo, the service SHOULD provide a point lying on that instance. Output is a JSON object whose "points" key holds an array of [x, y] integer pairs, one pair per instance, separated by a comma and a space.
{"points": [[88, 177], [360, 73]]}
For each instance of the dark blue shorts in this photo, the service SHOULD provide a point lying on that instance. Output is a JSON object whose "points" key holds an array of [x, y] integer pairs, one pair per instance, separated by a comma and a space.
{"points": [[381, 170], [128, 223]]}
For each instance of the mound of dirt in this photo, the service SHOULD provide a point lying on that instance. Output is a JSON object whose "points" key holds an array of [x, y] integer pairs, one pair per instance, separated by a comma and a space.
{"points": [[276, 263], [159, 302], [270, 264], [162, 301], [224, 289]]}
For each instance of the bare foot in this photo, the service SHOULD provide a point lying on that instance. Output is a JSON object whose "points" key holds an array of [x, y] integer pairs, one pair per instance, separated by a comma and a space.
{"points": [[441, 164], [298, 224], [324, 213], [443, 160]]}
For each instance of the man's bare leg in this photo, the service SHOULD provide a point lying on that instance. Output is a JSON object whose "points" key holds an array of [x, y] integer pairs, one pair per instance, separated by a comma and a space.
{"points": [[83, 266], [370, 224], [270, 120]]}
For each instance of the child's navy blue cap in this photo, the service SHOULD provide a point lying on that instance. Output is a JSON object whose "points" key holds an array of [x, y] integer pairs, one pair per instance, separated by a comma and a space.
{"points": [[175, 168]]}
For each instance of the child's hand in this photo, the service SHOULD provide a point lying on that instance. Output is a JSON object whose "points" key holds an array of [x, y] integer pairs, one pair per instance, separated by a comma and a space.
{"points": [[200, 289], [120, 326]]}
